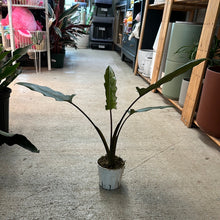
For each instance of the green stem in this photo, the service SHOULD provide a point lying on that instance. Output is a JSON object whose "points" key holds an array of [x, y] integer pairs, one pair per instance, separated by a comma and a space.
{"points": [[96, 128], [110, 111], [119, 126]]}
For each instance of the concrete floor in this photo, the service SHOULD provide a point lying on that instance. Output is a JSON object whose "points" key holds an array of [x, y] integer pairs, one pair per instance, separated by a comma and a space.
{"points": [[172, 172]]}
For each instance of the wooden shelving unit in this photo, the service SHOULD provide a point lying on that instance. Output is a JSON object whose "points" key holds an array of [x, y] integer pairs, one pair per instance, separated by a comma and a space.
{"points": [[212, 13], [118, 24]]}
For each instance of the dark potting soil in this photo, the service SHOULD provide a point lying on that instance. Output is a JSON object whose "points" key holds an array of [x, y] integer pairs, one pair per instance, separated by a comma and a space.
{"points": [[118, 162]]}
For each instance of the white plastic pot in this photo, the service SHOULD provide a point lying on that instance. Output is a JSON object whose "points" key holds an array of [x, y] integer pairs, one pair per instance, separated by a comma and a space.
{"points": [[143, 55], [83, 41], [110, 178]]}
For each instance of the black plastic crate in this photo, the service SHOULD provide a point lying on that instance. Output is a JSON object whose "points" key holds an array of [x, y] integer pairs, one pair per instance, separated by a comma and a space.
{"points": [[101, 45], [102, 29]]}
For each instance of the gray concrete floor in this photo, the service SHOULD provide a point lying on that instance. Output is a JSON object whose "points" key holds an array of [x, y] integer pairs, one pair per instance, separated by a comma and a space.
{"points": [[172, 172]]}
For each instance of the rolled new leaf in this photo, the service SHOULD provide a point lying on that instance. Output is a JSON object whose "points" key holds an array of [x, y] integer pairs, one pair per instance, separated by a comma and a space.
{"points": [[11, 139], [110, 89], [170, 76], [48, 92]]}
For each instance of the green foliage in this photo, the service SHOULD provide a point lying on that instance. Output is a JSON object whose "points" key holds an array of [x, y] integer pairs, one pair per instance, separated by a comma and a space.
{"points": [[132, 111], [110, 88], [11, 139], [58, 96], [63, 28], [214, 53], [182, 69], [8, 69]]}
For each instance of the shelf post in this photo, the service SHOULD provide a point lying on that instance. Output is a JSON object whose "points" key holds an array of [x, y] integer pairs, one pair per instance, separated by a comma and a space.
{"points": [[162, 39], [143, 22], [48, 37], [195, 84]]}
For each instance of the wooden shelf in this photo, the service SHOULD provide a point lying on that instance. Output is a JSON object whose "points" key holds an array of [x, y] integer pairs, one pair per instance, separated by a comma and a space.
{"points": [[147, 79], [216, 140], [182, 5], [211, 14], [174, 102]]}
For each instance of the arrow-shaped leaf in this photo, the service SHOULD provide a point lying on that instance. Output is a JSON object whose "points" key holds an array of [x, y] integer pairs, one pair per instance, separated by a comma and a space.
{"points": [[46, 91], [170, 76], [132, 111], [11, 139], [110, 89]]}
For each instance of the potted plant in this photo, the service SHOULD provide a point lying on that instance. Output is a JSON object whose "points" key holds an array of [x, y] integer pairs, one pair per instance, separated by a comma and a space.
{"points": [[63, 32], [83, 40], [208, 117], [190, 53], [9, 70], [111, 163]]}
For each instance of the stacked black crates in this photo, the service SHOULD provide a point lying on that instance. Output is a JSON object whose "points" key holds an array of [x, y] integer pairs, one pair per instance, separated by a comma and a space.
{"points": [[101, 34]]}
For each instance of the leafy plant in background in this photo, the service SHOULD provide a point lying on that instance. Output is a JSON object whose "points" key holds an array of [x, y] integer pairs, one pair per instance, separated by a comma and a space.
{"points": [[214, 53], [12, 139], [110, 160], [63, 28], [9, 70]]}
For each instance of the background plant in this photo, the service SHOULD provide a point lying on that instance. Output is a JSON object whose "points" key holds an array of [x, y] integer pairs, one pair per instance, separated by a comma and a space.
{"points": [[214, 53], [64, 30], [19, 139], [9, 70]]}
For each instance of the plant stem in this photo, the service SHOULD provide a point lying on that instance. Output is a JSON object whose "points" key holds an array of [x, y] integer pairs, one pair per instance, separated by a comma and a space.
{"points": [[110, 111], [97, 129], [119, 127]]}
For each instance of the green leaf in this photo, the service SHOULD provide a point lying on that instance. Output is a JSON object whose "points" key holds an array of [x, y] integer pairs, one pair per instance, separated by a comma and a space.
{"points": [[9, 70], [51, 12], [110, 89], [170, 76], [18, 53], [3, 54], [58, 31], [11, 139], [22, 51], [69, 12], [132, 111], [46, 91], [10, 78]]}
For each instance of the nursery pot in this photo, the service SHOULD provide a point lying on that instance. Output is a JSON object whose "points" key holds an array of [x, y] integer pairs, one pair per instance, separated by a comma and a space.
{"points": [[57, 60], [208, 115], [4, 108], [182, 34], [83, 41], [183, 91], [143, 56], [110, 178]]}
